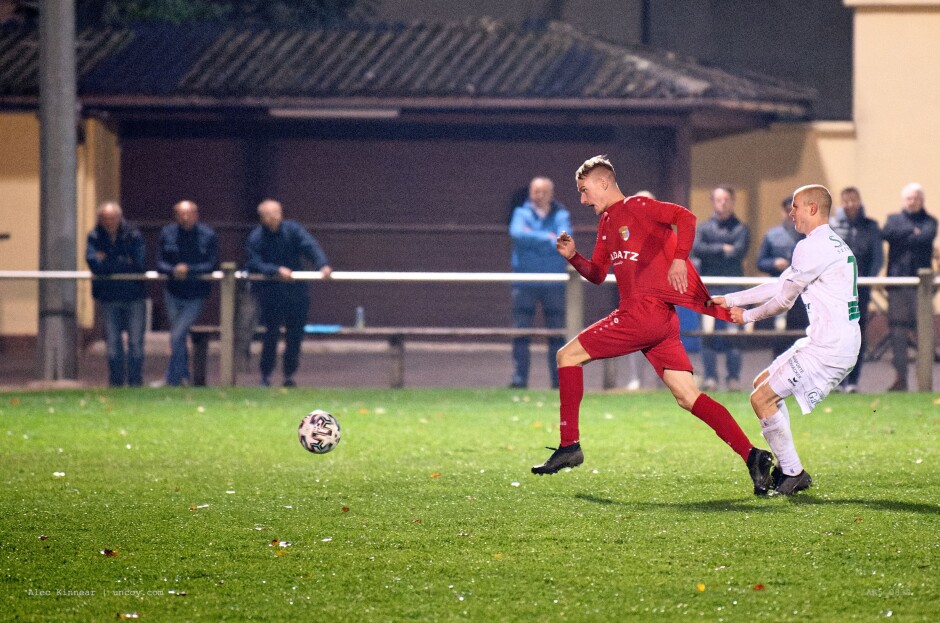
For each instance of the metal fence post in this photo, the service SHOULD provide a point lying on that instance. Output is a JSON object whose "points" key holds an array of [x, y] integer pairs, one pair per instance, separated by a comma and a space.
{"points": [[925, 330], [227, 303], [574, 303]]}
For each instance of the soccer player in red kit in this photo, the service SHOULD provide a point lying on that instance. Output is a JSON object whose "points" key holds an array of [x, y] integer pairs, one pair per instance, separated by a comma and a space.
{"points": [[653, 272]]}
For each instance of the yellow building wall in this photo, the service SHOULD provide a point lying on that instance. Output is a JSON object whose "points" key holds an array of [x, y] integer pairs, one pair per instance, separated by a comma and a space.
{"points": [[897, 99], [98, 179], [766, 166], [891, 141], [19, 217]]}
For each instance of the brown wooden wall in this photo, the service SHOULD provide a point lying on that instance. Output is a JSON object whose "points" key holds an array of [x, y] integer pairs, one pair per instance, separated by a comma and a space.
{"points": [[382, 196]]}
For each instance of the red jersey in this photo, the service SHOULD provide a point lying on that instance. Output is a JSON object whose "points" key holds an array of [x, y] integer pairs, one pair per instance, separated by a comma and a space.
{"points": [[635, 236]]}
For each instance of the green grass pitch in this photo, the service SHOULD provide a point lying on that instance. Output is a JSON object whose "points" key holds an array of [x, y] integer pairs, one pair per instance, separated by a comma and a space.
{"points": [[201, 505]]}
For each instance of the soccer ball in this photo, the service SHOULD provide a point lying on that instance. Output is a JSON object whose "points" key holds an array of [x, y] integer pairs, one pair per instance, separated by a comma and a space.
{"points": [[319, 432]]}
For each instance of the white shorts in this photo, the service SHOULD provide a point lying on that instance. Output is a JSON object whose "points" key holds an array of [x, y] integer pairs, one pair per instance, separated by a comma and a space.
{"points": [[808, 373]]}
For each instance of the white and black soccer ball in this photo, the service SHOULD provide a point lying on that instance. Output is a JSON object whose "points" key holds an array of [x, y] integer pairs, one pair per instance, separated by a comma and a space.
{"points": [[319, 432]]}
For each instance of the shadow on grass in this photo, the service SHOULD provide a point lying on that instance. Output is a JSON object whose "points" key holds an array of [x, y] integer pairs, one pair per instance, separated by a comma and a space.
{"points": [[759, 505]]}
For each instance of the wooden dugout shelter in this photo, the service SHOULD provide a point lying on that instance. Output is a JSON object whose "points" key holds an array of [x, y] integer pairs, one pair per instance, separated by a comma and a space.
{"points": [[401, 146]]}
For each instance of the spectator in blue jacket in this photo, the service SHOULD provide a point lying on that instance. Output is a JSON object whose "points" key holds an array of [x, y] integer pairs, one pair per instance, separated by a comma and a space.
{"points": [[773, 257], [187, 250], [720, 245], [863, 236], [534, 227], [116, 247], [276, 248], [910, 234]]}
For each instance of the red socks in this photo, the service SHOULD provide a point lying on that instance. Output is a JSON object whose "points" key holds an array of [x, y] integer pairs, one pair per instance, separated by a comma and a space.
{"points": [[570, 392], [719, 419]]}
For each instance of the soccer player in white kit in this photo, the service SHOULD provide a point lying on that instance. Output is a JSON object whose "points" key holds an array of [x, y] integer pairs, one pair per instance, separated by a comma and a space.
{"points": [[824, 273]]}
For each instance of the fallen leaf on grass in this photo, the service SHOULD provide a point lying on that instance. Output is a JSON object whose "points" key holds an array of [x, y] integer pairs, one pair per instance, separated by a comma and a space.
{"points": [[759, 587], [858, 520], [436, 475], [345, 509], [416, 520], [109, 553]]}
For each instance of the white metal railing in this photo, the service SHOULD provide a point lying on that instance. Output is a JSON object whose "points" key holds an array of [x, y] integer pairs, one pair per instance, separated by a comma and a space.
{"points": [[926, 283]]}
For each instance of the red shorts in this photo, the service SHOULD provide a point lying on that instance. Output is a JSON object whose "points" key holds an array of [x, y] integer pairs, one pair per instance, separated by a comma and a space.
{"points": [[650, 326]]}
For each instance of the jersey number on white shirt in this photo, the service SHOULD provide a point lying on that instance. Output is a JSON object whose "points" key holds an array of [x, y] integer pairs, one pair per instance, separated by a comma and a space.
{"points": [[853, 305]]}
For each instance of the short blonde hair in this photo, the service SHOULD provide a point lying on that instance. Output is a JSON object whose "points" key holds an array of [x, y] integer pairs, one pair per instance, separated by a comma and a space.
{"points": [[592, 164], [818, 194]]}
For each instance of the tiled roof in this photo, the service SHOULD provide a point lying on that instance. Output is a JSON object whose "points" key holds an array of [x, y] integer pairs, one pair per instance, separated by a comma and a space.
{"points": [[481, 62]]}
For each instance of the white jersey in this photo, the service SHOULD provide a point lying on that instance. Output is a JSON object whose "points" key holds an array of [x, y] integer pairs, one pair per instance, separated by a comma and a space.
{"points": [[824, 272]]}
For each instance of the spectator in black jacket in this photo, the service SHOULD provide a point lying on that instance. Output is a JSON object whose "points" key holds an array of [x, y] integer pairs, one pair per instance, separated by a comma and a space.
{"points": [[187, 250], [116, 247], [910, 234], [720, 246], [863, 236], [276, 248]]}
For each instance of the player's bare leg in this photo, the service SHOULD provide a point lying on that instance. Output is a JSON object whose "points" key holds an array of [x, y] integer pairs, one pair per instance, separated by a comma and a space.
{"points": [[689, 397], [789, 477], [571, 357]]}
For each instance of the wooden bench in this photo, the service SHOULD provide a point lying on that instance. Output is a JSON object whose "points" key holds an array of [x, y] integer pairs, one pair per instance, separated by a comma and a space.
{"points": [[201, 335]]}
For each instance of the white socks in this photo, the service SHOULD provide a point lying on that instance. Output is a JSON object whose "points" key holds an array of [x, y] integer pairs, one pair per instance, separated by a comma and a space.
{"points": [[776, 430]]}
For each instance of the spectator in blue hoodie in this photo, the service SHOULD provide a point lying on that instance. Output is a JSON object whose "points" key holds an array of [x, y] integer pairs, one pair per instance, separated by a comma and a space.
{"points": [[533, 228], [187, 250], [116, 247]]}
